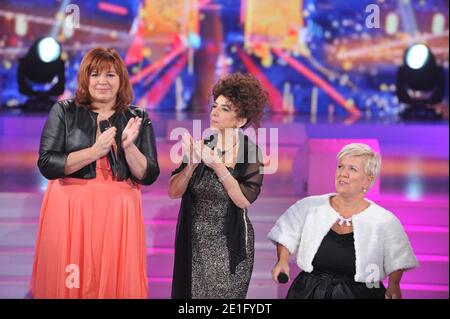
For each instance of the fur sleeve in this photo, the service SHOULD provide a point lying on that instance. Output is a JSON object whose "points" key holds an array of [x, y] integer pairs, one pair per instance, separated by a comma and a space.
{"points": [[288, 228], [398, 253]]}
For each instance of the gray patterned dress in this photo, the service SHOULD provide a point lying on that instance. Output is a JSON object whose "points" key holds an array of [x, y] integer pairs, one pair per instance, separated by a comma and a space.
{"points": [[211, 276]]}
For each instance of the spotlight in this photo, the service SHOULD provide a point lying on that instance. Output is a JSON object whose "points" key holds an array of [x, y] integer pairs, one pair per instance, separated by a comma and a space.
{"points": [[40, 74], [48, 50], [417, 56], [420, 83]]}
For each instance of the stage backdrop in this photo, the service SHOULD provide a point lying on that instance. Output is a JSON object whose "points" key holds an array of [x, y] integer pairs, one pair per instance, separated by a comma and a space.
{"points": [[321, 56]]}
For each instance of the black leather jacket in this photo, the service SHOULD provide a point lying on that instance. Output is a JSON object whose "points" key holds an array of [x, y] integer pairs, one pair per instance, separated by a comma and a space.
{"points": [[70, 128]]}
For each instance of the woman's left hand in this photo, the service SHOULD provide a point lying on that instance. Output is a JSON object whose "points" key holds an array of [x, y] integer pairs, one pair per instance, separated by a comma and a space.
{"points": [[209, 157], [131, 132], [393, 292]]}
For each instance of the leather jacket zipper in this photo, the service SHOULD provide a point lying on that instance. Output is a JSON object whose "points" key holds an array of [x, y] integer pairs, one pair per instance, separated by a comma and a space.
{"points": [[94, 137]]}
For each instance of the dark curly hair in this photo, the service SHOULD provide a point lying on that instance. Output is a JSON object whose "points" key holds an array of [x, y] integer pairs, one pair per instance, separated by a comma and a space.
{"points": [[245, 93]]}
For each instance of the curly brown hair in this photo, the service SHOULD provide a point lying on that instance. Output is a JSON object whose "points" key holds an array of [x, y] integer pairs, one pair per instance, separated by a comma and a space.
{"points": [[100, 59], [245, 93]]}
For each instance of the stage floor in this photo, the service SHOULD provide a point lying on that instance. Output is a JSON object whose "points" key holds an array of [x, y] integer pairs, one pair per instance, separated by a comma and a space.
{"points": [[413, 185]]}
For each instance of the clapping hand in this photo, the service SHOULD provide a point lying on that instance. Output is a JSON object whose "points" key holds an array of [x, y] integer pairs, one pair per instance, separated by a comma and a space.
{"points": [[209, 157], [193, 156], [104, 142], [131, 132]]}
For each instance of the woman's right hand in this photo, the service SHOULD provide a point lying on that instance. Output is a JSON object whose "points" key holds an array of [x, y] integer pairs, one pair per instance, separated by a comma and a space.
{"points": [[279, 268], [104, 142], [190, 152]]}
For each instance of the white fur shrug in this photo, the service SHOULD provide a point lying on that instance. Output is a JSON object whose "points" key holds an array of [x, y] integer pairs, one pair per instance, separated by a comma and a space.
{"points": [[381, 244]]}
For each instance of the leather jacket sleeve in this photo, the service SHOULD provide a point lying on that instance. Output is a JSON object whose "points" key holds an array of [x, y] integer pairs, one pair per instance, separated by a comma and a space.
{"points": [[147, 145], [52, 155]]}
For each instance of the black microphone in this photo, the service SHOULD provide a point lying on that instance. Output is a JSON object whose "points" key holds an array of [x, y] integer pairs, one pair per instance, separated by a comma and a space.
{"points": [[104, 125], [282, 278]]}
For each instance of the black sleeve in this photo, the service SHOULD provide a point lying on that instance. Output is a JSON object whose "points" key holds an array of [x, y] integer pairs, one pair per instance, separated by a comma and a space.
{"points": [[147, 146], [52, 155], [179, 169], [251, 181]]}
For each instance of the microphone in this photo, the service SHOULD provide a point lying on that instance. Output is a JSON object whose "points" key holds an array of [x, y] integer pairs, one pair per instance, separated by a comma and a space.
{"points": [[282, 278], [104, 125]]}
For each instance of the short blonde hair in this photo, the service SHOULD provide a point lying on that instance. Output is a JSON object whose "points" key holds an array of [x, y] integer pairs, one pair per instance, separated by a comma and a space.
{"points": [[372, 160]]}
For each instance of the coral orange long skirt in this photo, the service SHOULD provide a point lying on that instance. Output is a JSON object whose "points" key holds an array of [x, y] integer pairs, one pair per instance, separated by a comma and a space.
{"points": [[91, 241]]}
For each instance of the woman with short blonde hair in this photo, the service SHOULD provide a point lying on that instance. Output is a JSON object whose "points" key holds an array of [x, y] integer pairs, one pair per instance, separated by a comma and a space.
{"points": [[344, 243], [372, 160]]}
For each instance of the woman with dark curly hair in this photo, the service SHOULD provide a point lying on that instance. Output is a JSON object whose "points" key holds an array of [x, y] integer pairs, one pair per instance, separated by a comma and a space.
{"points": [[218, 180]]}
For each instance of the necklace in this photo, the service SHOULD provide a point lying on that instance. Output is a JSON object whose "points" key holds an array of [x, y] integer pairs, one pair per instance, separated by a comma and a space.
{"points": [[347, 221], [222, 153]]}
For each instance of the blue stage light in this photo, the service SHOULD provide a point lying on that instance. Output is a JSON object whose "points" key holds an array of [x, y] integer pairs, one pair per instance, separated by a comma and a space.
{"points": [[41, 74], [416, 56], [48, 50], [420, 84], [194, 40]]}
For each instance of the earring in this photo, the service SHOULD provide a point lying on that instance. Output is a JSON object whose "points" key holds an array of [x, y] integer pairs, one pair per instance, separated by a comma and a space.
{"points": [[364, 190]]}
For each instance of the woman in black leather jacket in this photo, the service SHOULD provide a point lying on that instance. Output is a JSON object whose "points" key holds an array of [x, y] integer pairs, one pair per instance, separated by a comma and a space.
{"points": [[96, 150]]}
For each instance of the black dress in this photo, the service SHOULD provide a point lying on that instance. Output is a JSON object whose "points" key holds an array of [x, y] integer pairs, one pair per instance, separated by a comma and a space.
{"points": [[211, 277], [333, 274], [232, 229]]}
